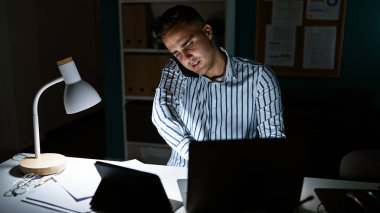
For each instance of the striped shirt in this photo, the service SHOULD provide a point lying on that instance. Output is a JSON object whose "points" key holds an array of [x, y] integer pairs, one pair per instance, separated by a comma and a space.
{"points": [[245, 103]]}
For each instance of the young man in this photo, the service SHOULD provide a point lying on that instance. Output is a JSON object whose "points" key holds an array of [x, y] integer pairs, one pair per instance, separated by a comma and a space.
{"points": [[205, 94]]}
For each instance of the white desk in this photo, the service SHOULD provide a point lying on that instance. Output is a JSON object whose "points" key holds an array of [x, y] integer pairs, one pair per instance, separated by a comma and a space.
{"points": [[81, 174]]}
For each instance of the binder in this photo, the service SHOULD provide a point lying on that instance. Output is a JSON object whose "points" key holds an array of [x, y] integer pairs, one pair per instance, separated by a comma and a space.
{"points": [[137, 25]]}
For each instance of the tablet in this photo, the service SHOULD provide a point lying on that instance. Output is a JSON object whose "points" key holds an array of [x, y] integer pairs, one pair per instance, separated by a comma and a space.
{"points": [[128, 190]]}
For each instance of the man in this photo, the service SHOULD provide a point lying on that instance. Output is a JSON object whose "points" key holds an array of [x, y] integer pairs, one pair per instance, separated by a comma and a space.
{"points": [[205, 94]]}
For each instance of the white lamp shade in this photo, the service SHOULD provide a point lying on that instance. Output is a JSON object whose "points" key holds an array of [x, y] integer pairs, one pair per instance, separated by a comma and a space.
{"points": [[79, 96]]}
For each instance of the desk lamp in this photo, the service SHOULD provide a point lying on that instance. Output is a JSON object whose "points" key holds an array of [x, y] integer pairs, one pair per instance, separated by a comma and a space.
{"points": [[78, 96]]}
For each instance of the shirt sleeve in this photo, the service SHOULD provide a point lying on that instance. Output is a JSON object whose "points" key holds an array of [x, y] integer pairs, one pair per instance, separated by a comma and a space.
{"points": [[269, 105], [166, 109]]}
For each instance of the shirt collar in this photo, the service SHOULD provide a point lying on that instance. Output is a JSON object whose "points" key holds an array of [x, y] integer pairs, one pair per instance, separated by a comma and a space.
{"points": [[230, 74]]}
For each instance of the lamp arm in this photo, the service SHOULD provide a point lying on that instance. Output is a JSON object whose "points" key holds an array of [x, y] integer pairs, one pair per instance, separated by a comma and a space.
{"points": [[35, 116]]}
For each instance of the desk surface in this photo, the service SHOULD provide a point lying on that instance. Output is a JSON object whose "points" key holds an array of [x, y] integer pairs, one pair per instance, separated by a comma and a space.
{"points": [[80, 173]]}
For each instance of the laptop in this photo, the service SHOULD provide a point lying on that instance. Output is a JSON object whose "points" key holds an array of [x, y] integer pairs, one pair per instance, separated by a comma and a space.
{"points": [[324, 185], [130, 190], [244, 176], [349, 200]]}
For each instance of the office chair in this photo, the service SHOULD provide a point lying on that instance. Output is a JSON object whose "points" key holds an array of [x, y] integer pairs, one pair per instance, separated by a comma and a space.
{"points": [[361, 165]]}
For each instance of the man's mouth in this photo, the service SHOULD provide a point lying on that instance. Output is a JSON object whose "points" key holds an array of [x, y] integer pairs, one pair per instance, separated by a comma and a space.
{"points": [[194, 64]]}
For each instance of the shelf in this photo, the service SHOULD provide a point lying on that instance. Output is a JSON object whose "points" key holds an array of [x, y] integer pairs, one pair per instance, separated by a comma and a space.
{"points": [[139, 98], [168, 1], [145, 50]]}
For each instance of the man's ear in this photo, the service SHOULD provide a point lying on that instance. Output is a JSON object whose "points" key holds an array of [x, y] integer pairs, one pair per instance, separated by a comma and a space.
{"points": [[207, 29]]}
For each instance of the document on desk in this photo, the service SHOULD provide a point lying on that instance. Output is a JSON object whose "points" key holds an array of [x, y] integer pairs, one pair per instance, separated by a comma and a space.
{"points": [[81, 180], [54, 196]]}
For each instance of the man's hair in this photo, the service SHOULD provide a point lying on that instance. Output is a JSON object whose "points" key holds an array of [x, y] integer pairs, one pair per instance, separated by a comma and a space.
{"points": [[173, 16]]}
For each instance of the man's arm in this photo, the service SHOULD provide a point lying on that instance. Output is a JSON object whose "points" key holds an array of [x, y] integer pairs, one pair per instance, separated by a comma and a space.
{"points": [[165, 112], [269, 105]]}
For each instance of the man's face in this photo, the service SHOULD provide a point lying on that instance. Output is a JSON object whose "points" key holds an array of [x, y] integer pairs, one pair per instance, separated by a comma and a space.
{"points": [[192, 46]]}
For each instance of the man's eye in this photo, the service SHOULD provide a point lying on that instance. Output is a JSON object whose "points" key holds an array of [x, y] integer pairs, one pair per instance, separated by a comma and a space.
{"points": [[188, 45]]}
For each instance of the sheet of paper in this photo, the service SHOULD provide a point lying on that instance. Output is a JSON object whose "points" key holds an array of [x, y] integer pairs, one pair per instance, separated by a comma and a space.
{"points": [[287, 12], [322, 10], [54, 195], [80, 179], [47, 206], [280, 45], [129, 163], [319, 47]]}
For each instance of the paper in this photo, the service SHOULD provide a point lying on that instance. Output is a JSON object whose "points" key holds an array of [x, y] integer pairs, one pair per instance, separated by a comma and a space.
{"points": [[322, 10], [54, 196], [84, 186], [287, 12], [319, 48], [280, 45], [48, 206], [79, 179]]}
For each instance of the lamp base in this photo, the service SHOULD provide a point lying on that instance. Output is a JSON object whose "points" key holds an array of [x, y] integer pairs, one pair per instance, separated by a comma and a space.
{"points": [[47, 164]]}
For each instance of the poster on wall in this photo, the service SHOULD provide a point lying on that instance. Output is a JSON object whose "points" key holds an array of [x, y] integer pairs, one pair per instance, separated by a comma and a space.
{"points": [[319, 48], [287, 12], [280, 45], [322, 10], [308, 45]]}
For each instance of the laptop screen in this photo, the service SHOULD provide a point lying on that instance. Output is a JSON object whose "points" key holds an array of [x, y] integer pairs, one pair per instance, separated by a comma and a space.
{"points": [[245, 175]]}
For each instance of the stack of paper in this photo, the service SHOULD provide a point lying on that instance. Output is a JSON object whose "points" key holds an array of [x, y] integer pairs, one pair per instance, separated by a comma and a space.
{"points": [[54, 196], [71, 191]]}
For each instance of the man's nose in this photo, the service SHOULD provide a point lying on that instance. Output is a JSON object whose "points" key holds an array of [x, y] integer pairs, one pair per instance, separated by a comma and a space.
{"points": [[187, 55]]}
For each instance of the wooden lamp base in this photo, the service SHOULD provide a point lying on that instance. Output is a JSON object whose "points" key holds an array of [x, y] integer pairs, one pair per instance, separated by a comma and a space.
{"points": [[47, 164]]}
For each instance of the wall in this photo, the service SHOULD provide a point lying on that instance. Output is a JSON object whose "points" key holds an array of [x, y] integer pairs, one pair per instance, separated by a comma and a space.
{"points": [[7, 99], [35, 35], [114, 97], [335, 115], [359, 71], [360, 63]]}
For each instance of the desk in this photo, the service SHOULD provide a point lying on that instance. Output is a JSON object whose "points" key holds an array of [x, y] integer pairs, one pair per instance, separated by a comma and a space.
{"points": [[81, 170], [82, 173]]}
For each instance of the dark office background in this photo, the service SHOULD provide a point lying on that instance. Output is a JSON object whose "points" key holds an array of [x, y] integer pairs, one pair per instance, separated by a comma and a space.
{"points": [[341, 114]]}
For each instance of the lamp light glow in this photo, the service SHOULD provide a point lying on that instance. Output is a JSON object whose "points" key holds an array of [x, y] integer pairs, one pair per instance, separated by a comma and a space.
{"points": [[78, 96]]}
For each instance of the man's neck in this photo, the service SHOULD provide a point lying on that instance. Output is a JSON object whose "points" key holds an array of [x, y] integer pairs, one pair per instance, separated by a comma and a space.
{"points": [[219, 66]]}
